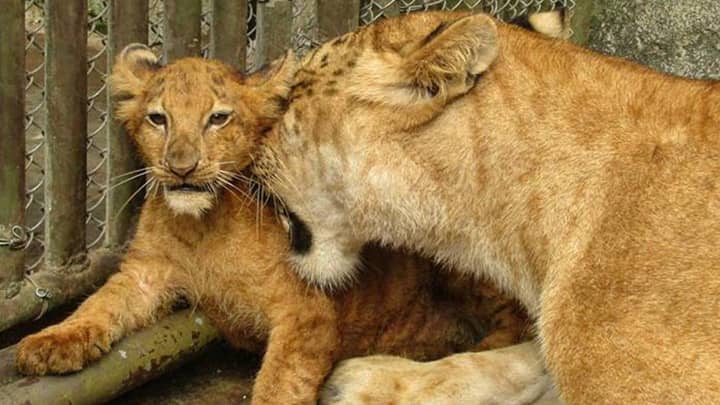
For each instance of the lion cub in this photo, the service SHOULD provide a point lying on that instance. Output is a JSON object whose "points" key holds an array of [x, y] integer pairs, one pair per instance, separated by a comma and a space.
{"points": [[197, 123]]}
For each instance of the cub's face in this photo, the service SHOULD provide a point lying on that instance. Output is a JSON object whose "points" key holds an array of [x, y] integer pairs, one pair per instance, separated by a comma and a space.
{"points": [[196, 122], [354, 108]]}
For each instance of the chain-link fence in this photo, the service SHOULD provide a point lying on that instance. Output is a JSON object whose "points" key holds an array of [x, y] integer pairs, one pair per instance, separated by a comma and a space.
{"points": [[305, 35], [34, 128], [372, 10]]}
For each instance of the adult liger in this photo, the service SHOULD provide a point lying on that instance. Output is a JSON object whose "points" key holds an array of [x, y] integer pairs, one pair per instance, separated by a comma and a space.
{"points": [[585, 185], [203, 237]]}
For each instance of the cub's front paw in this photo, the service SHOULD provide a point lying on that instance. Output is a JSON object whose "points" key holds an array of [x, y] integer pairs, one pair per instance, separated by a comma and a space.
{"points": [[62, 348]]}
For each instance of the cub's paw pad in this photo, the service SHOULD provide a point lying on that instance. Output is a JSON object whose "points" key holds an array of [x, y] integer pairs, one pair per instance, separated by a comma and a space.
{"points": [[62, 348]]}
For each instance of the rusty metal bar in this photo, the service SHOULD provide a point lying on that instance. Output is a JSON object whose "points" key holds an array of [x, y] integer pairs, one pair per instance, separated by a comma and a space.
{"points": [[228, 32], [336, 17], [53, 287], [128, 23], [274, 30], [66, 109], [182, 29], [580, 21], [12, 144], [133, 361]]}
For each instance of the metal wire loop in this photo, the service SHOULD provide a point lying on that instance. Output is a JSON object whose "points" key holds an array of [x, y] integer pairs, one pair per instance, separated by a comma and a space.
{"points": [[15, 237]]}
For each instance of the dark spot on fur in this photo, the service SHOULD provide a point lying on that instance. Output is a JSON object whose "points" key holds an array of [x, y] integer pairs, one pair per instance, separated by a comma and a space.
{"points": [[351, 63], [432, 90], [440, 28], [330, 91], [124, 96], [300, 236], [471, 80], [309, 92], [264, 131], [298, 113], [219, 93], [324, 58], [337, 72], [218, 80], [302, 84], [657, 154], [331, 82], [281, 102]]}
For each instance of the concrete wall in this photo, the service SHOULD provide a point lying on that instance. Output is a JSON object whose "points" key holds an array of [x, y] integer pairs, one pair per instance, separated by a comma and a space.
{"points": [[675, 36]]}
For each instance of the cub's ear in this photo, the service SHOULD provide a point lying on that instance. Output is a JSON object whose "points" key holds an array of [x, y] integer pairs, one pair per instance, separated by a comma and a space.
{"points": [[450, 58], [133, 67], [270, 88]]}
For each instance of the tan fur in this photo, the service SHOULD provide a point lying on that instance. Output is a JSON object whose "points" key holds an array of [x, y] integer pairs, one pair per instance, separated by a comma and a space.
{"points": [[231, 263], [585, 185], [513, 375]]}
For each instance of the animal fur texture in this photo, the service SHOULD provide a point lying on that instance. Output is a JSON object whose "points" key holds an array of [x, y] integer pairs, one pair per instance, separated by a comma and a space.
{"points": [[586, 186], [202, 236]]}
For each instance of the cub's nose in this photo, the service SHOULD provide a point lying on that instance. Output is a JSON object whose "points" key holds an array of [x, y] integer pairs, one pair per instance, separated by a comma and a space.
{"points": [[182, 158], [184, 168]]}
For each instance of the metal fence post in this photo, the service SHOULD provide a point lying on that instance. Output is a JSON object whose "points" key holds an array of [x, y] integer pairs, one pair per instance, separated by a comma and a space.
{"points": [[580, 20], [12, 141], [274, 30], [228, 33], [128, 23], [182, 29], [66, 109], [336, 17]]}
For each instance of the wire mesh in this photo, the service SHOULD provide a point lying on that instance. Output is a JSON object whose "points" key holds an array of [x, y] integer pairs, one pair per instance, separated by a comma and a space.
{"points": [[372, 10], [156, 23], [97, 121], [305, 37], [34, 128]]}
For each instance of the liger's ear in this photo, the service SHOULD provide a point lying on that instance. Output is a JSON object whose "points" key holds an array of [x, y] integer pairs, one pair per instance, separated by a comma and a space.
{"points": [[420, 78], [440, 67], [133, 67], [450, 58], [272, 87]]}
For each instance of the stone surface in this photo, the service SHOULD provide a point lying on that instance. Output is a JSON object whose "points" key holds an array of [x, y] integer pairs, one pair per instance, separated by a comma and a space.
{"points": [[681, 37]]}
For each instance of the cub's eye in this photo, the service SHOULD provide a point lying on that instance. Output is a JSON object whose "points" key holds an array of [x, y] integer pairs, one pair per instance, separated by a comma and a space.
{"points": [[219, 118], [157, 119]]}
